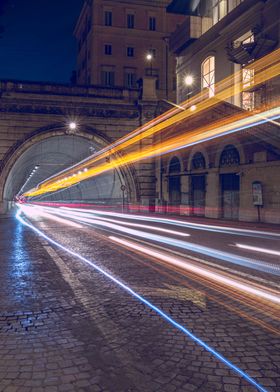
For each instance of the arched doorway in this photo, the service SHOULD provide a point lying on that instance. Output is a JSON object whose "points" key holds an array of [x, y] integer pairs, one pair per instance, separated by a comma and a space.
{"points": [[230, 182], [198, 184], [174, 186]]}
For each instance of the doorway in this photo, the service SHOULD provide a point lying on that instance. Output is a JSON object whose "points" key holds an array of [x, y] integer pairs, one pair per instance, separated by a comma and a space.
{"points": [[230, 187], [198, 195]]}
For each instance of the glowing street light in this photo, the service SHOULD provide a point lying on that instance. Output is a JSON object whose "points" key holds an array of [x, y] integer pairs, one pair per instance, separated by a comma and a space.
{"points": [[150, 58], [188, 80], [72, 125]]}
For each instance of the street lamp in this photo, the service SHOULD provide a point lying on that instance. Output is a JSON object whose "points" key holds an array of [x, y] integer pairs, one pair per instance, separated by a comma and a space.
{"points": [[188, 80], [149, 58], [72, 125]]}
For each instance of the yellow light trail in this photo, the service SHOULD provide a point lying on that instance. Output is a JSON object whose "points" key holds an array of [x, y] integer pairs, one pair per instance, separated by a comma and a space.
{"points": [[264, 69]]}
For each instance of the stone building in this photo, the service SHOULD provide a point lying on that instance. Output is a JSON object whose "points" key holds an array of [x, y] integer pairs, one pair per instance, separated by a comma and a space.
{"points": [[224, 178], [45, 128], [114, 38]]}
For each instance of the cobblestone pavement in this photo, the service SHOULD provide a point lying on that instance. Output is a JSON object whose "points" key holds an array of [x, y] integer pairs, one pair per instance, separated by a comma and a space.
{"points": [[66, 327]]}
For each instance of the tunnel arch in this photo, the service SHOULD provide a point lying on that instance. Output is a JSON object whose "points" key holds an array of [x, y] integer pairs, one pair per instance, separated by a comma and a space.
{"points": [[85, 133]]}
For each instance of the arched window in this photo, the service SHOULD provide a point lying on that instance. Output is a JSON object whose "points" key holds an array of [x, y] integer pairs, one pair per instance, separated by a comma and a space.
{"points": [[175, 165], [230, 156], [198, 161], [208, 75]]}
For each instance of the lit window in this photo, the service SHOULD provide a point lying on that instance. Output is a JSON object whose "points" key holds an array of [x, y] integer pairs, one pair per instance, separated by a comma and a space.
{"points": [[208, 75], [152, 23], [108, 18], [130, 21], [219, 9], [248, 97]]}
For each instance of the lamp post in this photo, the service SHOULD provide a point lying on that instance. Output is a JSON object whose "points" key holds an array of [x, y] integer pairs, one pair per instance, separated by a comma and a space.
{"points": [[188, 81], [149, 58]]}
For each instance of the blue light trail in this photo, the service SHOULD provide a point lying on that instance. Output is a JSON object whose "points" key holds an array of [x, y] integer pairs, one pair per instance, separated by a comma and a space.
{"points": [[175, 324]]}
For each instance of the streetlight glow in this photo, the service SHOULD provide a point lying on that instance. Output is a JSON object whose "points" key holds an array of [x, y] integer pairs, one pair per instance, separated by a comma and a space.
{"points": [[188, 80], [149, 57], [72, 125]]}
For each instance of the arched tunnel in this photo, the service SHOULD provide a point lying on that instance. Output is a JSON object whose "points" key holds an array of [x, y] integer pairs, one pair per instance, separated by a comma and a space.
{"points": [[44, 158]]}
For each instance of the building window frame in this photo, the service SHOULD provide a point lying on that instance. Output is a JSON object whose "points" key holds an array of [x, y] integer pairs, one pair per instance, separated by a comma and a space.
{"points": [[108, 49], [108, 18], [152, 23], [130, 77], [108, 76], [130, 50], [130, 20], [208, 75], [219, 10]]}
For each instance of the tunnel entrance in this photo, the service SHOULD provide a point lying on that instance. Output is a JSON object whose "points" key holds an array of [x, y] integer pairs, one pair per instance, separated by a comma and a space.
{"points": [[48, 156]]}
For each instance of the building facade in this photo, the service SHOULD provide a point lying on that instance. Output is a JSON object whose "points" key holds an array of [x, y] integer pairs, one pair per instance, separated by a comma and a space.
{"points": [[121, 41], [36, 140], [238, 176]]}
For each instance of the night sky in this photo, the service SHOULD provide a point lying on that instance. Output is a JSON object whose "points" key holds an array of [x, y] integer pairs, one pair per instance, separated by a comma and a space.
{"points": [[37, 43]]}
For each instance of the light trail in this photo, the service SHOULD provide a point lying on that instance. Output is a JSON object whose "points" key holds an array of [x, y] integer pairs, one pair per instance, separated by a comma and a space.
{"points": [[173, 232], [184, 140], [204, 272], [196, 248], [264, 69], [37, 212], [149, 304], [222, 93], [174, 222], [257, 249]]}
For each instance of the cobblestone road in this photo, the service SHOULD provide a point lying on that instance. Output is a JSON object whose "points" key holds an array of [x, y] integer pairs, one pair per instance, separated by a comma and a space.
{"points": [[66, 327]]}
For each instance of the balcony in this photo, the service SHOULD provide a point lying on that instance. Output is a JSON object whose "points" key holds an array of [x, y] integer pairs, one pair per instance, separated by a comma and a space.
{"points": [[186, 33]]}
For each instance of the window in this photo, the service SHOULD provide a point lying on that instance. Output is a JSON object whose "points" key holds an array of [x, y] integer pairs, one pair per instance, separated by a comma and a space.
{"points": [[247, 81], [130, 78], [174, 165], [208, 75], [233, 3], [130, 21], [108, 49], [130, 51], [219, 10], [153, 52], [108, 18], [108, 76], [198, 161], [230, 156], [152, 23], [248, 98]]}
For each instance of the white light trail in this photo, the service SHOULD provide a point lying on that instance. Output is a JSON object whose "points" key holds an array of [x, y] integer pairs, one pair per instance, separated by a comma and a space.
{"points": [[205, 272], [257, 249], [37, 212], [150, 305], [152, 228], [196, 226], [193, 247]]}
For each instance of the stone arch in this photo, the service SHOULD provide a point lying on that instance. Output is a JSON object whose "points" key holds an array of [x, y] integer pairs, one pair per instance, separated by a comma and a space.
{"points": [[173, 158], [198, 149], [222, 147], [58, 129]]}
